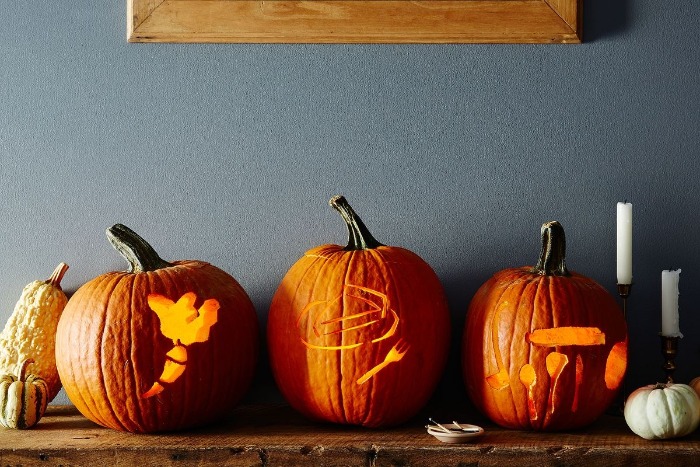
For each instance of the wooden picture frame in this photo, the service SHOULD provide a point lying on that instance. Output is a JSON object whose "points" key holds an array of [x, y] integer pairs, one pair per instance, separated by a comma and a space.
{"points": [[355, 21]]}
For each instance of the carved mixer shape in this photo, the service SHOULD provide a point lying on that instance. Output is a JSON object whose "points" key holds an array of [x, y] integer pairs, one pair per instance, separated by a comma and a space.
{"points": [[376, 315], [185, 325]]}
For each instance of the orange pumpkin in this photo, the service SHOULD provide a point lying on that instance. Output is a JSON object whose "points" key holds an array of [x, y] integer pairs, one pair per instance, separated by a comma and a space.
{"points": [[544, 348], [358, 334], [161, 347]]}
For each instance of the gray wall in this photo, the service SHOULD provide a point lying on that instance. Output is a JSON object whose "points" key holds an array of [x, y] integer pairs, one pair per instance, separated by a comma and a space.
{"points": [[229, 153]]}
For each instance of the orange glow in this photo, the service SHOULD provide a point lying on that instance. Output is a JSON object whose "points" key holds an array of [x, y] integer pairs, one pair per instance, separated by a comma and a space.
{"points": [[501, 379], [579, 382], [181, 321], [529, 379], [566, 336], [615, 365], [374, 315], [370, 310], [395, 354], [555, 363], [185, 325]]}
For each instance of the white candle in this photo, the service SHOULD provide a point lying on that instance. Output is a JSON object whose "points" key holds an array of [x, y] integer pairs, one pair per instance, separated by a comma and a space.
{"points": [[624, 243], [669, 303]]}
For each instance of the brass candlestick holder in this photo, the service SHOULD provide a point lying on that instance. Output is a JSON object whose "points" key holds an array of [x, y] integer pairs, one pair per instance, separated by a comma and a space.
{"points": [[669, 349], [623, 291], [618, 406]]}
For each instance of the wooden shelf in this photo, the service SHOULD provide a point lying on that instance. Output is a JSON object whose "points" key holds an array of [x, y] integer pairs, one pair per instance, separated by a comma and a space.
{"points": [[274, 435]]}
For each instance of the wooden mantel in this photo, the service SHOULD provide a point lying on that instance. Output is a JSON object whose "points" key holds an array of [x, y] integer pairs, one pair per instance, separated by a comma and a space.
{"points": [[273, 435]]}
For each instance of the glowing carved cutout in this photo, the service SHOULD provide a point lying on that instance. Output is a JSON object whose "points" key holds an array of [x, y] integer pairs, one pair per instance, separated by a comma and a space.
{"points": [[395, 354], [529, 379], [376, 314], [566, 336], [579, 382], [555, 363], [185, 325], [325, 318], [615, 365], [501, 379]]}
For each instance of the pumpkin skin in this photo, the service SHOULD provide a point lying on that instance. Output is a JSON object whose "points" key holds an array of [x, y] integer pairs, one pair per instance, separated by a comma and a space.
{"points": [[111, 346], [695, 384], [543, 348], [663, 411], [330, 344]]}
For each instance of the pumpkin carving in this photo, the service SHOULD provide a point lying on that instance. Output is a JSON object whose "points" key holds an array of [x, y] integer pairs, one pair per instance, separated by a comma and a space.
{"points": [[161, 347], [543, 348], [358, 334]]}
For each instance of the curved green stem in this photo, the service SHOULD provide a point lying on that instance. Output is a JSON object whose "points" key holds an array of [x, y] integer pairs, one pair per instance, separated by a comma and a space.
{"points": [[359, 237], [140, 255], [552, 260]]}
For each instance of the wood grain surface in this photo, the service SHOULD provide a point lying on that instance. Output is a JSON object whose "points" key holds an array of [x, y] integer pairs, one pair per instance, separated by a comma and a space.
{"points": [[274, 435], [355, 21]]}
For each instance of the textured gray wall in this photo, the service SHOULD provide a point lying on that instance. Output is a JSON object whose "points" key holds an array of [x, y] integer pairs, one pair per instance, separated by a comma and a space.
{"points": [[229, 153]]}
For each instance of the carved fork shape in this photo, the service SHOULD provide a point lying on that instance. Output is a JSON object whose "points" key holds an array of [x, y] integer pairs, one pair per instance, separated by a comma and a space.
{"points": [[395, 354]]}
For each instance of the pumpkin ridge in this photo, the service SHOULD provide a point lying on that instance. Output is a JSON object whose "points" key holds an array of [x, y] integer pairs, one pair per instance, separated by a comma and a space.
{"points": [[90, 402], [523, 292], [106, 385], [380, 257], [206, 404], [111, 283], [135, 376], [551, 283], [170, 282], [352, 257], [70, 372], [308, 354], [193, 281], [376, 255]]}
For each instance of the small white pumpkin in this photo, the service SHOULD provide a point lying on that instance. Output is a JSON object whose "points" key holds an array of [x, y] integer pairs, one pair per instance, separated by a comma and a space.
{"points": [[662, 411]]}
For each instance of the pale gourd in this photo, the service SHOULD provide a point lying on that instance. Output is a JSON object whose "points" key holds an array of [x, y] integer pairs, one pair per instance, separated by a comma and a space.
{"points": [[662, 411], [30, 333]]}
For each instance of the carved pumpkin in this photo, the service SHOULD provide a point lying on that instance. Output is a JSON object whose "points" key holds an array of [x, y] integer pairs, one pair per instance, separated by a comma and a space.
{"points": [[543, 348], [161, 347], [358, 334]]}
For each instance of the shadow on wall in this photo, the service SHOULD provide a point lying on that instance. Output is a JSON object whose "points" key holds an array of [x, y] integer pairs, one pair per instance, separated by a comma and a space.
{"points": [[604, 18]]}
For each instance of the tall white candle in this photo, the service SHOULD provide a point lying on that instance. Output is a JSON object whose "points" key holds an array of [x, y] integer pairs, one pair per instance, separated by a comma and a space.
{"points": [[624, 243], [669, 303]]}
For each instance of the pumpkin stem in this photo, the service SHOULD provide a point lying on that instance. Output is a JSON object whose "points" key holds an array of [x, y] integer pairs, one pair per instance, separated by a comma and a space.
{"points": [[22, 376], [140, 255], [552, 260], [359, 237], [57, 275]]}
